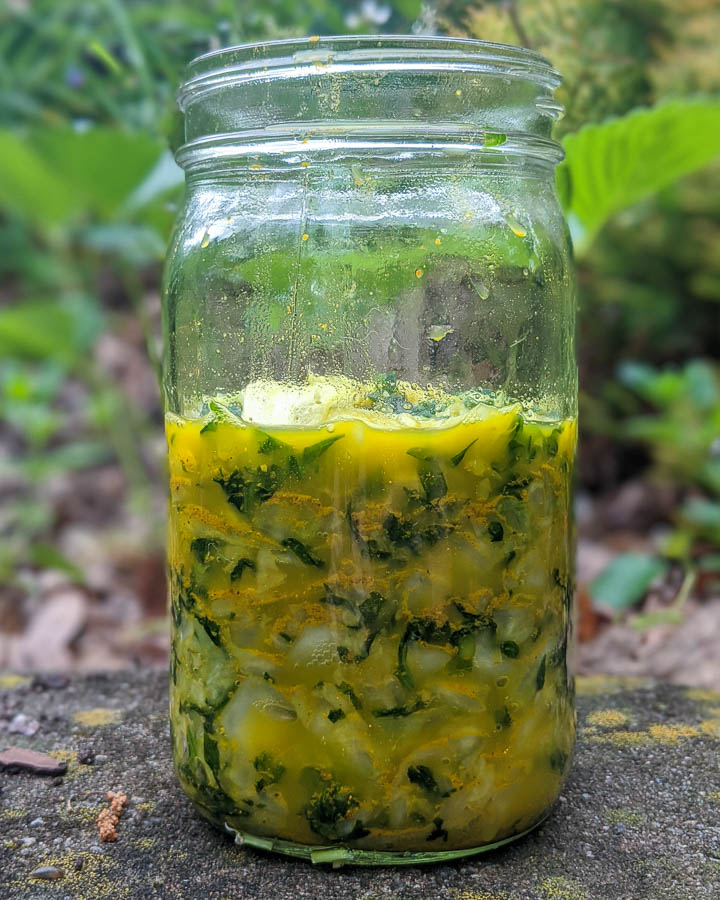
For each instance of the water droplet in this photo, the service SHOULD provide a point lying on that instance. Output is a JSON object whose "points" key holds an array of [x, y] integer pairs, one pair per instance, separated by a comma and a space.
{"points": [[458, 93], [330, 426], [305, 236], [438, 332], [483, 291], [516, 228]]}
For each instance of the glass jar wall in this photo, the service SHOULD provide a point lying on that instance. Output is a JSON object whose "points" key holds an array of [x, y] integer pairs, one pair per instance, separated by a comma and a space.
{"points": [[371, 395]]}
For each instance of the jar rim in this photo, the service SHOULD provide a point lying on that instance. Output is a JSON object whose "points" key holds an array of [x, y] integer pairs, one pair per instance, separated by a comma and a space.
{"points": [[276, 59]]}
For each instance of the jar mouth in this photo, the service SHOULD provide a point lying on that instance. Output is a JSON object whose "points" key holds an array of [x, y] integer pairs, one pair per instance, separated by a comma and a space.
{"points": [[291, 58]]}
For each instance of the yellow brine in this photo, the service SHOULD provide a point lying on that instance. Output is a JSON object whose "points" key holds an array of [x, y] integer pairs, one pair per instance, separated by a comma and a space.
{"points": [[370, 594]]}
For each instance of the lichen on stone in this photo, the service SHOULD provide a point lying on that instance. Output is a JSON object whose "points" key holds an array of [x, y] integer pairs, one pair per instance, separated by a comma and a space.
{"points": [[94, 718], [607, 718], [558, 887]]}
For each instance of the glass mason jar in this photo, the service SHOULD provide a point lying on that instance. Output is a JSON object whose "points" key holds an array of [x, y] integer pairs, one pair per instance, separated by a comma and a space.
{"points": [[371, 399]]}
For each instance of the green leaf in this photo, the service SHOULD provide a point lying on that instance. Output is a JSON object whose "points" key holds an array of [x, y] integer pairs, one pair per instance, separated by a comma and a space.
{"points": [[314, 451], [57, 176], [28, 186], [49, 329], [49, 557], [611, 166], [626, 580]]}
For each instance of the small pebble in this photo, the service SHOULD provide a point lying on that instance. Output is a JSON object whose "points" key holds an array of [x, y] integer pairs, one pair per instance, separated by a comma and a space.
{"points": [[22, 724], [16, 758], [78, 864], [619, 829], [47, 873], [86, 756], [50, 682], [36, 822]]}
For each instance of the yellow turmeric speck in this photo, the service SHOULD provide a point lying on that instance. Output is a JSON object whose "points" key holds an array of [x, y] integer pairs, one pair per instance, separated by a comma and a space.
{"points": [[205, 241], [418, 273], [255, 166], [305, 236], [437, 242]]}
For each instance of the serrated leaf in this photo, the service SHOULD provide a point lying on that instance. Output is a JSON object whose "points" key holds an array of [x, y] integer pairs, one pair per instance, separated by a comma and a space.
{"points": [[613, 165], [626, 580]]}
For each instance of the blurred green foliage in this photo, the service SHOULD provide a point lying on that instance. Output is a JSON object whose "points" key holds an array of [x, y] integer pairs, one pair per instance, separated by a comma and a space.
{"points": [[89, 190]]}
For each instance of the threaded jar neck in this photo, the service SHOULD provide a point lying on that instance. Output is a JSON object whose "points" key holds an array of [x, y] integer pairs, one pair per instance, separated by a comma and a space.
{"points": [[389, 90]]}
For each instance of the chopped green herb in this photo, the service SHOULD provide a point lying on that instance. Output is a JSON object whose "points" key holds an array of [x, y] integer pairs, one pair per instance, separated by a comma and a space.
{"points": [[212, 629], [503, 719], [327, 809], [558, 760], [432, 480], [315, 451], [211, 753], [205, 548], [425, 630], [270, 771], [336, 714], [423, 777], [399, 712], [269, 444], [540, 676], [496, 531], [458, 458], [302, 552], [510, 649], [437, 832], [346, 689], [240, 567]]}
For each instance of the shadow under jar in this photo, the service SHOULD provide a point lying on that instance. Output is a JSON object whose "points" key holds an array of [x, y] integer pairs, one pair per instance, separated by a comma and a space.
{"points": [[371, 396]]}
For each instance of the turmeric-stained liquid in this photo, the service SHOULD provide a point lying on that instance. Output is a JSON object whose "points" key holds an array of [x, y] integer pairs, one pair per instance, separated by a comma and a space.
{"points": [[370, 621]]}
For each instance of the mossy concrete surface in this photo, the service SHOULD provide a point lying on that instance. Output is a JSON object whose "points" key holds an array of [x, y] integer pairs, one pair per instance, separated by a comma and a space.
{"points": [[639, 817]]}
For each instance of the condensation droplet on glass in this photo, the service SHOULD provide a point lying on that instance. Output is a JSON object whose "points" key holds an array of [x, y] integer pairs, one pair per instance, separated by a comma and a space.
{"points": [[516, 228], [439, 332], [330, 426], [482, 290], [305, 236]]}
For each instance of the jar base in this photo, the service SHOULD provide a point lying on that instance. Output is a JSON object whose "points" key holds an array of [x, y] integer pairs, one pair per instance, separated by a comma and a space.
{"points": [[338, 855]]}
